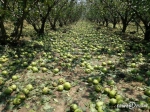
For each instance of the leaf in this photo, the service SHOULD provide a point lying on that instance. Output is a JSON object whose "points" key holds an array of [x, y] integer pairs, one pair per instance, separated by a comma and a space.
{"points": [[55, 100]]}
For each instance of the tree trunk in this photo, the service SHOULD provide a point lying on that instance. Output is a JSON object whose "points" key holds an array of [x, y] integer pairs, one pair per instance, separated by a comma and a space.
{"points": [[41, 30], [60, 23], [147, 33], [124, 26], [106, 20], [114, 22], [19, 24], [3, 36]]}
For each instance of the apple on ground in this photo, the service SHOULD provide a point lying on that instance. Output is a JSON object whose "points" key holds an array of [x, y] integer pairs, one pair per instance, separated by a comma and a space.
{"points": [[147, 92], [15, 77], [25, 91], [78, 110], [29, 67], [107, 90], [98, 88], [35, 69], [112, 101], [56, 70], [111, 82], [112, 93], [4, 72], [61, 81], [73, 107], [21, 96], [45, 90], [8, 90], [13, 87], [99, 104], [95, 81], [29, 87], [67, 86], [16, 101], [33, 63], [44, 69], [60, 88], [104, 70], [90, 79]]}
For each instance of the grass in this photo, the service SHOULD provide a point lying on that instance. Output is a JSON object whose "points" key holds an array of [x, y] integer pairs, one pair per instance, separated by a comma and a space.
{"points": [[80, 53]]}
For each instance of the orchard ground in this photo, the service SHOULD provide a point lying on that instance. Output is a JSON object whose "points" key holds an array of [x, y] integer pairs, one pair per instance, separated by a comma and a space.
{"points": [[117, 61]]}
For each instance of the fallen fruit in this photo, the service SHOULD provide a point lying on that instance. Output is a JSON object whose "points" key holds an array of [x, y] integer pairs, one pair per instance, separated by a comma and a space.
{"points": [[60, 87], [16, 101], [112, 93], [95, 81], [29, 87], [67, 86], [112, 101], [8, 90], [45, 90], [73, 107]]}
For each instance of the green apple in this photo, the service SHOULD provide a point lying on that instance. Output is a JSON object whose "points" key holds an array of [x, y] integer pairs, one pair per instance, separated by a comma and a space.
{"points": [[98, 88], [29, 67], [109, 62], [143, 104], [15, 77], [67, 86], [99, 104], [112, 101], [25, 64], [87, 70], [8, 90], [33, 63], [16, 101], [61, 81], [104, 64], [78, 110], [111, 82], [56, 70], [45, 90], [21, 96], [4, 72], [13, 87], [104, 70], [60, 88], [90, 79], [95, 81], [54, 84], [133, 65], [147, 92], [35, 69], [44, 69], [139, 78], [25, 91], [100, 109], [29, 87], [42, 64], [107, 90], [73, 107], [112, 93]]}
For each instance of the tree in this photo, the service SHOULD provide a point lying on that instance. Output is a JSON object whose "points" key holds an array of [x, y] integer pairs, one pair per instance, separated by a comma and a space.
{"points": [[3, 12], [142, 10]]}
